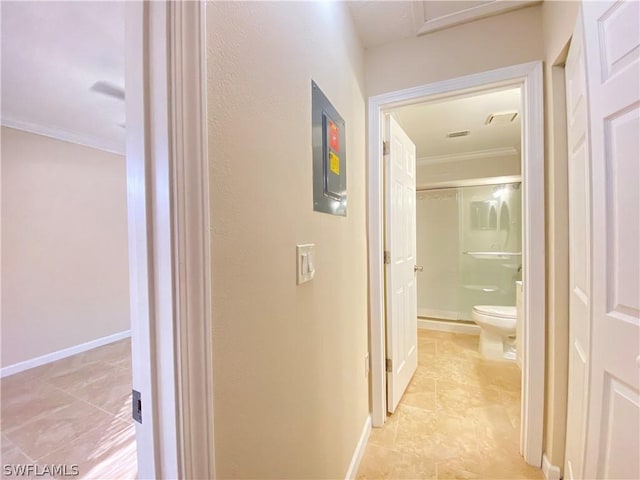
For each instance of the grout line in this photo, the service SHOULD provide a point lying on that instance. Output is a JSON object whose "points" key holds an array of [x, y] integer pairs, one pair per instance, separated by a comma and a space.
{"points": [[77, 437], [18, 447]]}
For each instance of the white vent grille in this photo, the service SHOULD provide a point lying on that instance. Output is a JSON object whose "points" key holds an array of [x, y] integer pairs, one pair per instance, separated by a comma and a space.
{"points": [[460, 133], [501, 118]]}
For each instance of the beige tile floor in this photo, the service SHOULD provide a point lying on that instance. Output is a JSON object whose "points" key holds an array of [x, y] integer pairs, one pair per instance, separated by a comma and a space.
{"points": [[73, 411], [458, 419]]}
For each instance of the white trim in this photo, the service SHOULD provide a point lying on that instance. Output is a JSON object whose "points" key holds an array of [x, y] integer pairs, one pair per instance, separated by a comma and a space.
{"points": [[167, 184], [551, 472], [460, 157], [422, 25], [193, 260], [352, 471], [452, 327], [529, 77], [64, 353], [63, 135]]}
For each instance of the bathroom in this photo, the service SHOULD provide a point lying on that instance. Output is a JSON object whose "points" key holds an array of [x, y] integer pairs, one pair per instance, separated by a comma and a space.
{"points": [[469, 215], [462, 406]]}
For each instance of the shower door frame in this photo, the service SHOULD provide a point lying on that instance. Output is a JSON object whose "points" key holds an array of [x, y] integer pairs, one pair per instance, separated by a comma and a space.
{"points": [[528, 77]]}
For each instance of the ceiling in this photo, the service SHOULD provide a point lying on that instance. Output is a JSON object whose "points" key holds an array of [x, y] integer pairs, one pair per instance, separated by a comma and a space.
{"points": [[380, 22], [427, 125], [52, 54]]}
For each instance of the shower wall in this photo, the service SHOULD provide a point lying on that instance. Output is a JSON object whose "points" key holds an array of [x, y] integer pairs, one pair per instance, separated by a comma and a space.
{"points": [[438, 251], [469, 240]]}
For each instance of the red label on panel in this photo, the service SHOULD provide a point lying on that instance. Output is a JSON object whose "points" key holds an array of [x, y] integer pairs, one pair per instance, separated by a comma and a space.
{"points": [[334, 136]]}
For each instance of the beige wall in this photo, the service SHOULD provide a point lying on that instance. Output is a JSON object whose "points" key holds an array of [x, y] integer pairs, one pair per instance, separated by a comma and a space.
{"points": [[474, 47], [65, 274], [559, 19], [291, 395]]}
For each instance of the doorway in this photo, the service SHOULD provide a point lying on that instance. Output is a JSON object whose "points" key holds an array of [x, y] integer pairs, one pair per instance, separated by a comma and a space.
{"points": [[527, 77]]}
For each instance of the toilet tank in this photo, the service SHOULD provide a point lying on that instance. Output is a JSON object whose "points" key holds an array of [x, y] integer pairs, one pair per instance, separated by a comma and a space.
{"points": [[519, 324]]}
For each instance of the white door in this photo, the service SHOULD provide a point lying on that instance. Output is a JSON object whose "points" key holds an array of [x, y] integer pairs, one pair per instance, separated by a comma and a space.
{"points": [[612, 50], [580, 248], [400, 243], [603, 434]]}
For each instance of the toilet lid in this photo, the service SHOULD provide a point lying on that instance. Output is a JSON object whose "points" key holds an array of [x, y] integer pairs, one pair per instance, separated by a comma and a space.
{"points": [[496, 311]]}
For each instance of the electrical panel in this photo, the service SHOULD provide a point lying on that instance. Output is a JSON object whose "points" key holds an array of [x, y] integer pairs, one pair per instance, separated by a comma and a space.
{"points": [[329, 155]]}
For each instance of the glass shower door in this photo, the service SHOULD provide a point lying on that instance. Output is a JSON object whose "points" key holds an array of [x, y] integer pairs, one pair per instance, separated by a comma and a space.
{"points": [[491, 244], [469, 241]]}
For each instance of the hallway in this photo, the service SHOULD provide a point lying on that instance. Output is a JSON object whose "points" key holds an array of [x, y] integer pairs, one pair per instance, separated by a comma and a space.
{"points": [[459, 418]]}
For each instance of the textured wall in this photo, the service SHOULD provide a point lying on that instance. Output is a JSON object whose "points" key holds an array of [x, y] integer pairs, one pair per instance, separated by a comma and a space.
{"points": [[65, 277], [486, 44], [291, 395]]}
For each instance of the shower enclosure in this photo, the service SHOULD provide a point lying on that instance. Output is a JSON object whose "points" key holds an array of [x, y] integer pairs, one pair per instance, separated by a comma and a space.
{"points": [[469, 240]]}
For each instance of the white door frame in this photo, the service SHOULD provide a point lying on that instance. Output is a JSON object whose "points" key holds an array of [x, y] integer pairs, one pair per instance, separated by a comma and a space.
{"points": [[168, 218], [529, 77]]}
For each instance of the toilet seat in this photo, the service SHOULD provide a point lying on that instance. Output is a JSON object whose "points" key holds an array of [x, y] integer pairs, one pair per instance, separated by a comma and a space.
{"points": [[502, 317], [496, 311]]}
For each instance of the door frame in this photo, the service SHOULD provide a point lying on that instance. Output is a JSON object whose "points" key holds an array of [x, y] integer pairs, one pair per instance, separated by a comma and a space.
{"points": [[528, 76], [169, 251]]}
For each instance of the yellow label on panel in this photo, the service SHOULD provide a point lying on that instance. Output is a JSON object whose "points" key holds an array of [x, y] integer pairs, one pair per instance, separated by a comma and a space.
{"points": [[334, 163]]}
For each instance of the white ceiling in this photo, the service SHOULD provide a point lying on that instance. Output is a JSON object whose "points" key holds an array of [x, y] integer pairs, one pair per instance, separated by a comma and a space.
{"points": [[52, 53], [380, 22], [427, 124]]}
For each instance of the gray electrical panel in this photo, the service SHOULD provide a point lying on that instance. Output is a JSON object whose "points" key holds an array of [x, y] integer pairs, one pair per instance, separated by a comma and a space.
{"points": [[329, 156]]}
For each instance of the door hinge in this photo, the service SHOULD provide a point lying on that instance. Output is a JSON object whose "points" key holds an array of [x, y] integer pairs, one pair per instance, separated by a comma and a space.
{"points": [[387, 257], [385, 148], [136, 406], [388, 365]]}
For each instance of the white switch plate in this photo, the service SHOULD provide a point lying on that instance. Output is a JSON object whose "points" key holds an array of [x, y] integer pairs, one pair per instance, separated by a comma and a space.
{"points": [[305, 263]]}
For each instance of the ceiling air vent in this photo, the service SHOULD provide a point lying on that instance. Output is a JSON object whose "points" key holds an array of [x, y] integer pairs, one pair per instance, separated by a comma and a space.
{"points": [[501, 118], [108, 89], [460, 133]]}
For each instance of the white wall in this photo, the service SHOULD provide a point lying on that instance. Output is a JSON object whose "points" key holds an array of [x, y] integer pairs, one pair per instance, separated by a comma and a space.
{"points": [[65, 274], [291, 394]]}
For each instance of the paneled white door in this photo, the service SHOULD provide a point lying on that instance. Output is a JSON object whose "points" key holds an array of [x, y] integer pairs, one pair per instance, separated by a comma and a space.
{"points": [[603, 74], [580, 248], [612, 50], [400, 242]]}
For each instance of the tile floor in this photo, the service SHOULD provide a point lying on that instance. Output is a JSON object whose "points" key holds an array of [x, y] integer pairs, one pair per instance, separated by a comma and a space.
{"points": [[458, 419], [73, 411]]}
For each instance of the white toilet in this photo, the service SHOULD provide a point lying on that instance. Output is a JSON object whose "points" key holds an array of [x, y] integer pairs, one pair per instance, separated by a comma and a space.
{"points": [[497, 331]]}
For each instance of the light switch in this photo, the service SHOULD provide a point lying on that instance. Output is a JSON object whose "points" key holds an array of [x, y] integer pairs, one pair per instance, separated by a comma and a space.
{"points": [[305, 263]]}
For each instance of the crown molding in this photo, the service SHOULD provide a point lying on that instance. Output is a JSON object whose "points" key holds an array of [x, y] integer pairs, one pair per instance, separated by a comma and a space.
{"points": [[60, 134], [477, 155], [424, 25]]}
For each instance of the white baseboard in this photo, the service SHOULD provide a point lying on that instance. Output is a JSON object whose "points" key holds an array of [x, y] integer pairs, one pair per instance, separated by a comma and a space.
{"points": [[453, 327], [66, 352], [551, 472], [359, 451]]}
